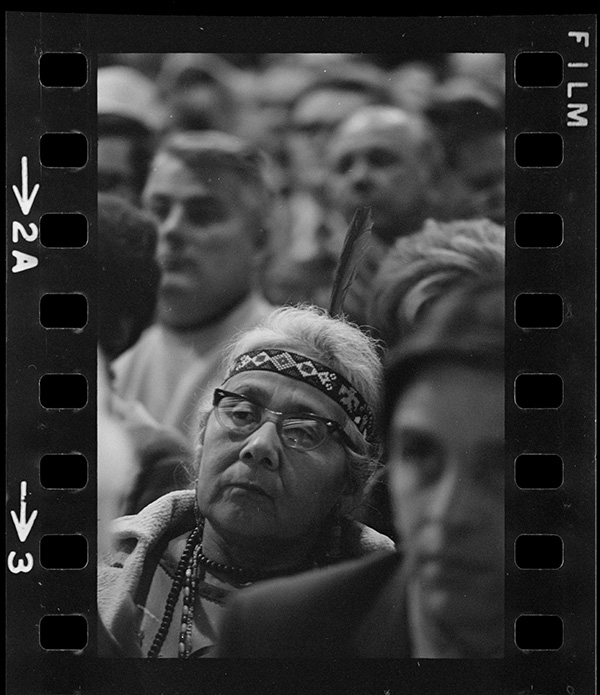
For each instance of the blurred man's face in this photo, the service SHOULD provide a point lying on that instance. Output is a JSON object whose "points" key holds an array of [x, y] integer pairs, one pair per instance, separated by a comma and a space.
{"points": [[312, 121], [206, 248], [479, 174], [274, 91], [381, 167], [446, 479]]}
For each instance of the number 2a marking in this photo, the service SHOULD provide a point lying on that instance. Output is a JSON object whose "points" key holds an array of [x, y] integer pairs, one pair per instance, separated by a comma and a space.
{"points": [[19, 229]]}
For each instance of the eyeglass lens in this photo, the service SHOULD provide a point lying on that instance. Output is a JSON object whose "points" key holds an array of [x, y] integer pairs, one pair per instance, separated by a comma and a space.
{"points": [[240, 415]]}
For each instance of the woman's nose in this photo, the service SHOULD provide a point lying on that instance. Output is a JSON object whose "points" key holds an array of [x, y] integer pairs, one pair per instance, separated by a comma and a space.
{"points": [[263, 447], [171, 227], [453, 503]]}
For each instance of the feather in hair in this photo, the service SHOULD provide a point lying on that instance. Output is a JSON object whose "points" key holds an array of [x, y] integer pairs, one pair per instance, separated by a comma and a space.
{"points": [[357, 239]]}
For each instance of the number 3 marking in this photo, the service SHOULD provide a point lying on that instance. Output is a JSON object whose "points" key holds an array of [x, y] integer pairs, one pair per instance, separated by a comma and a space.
{"points": [[20, 566]]}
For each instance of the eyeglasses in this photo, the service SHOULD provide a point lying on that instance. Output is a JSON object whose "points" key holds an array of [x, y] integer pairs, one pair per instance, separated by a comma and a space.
{"points": [[302, 431]]}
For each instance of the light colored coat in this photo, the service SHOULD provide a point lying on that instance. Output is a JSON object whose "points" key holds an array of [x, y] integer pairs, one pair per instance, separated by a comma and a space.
{"points": [[138, 543]]}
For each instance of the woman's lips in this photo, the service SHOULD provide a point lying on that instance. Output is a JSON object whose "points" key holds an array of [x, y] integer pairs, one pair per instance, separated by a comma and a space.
{"points": [[172, 264], [249, 487]]}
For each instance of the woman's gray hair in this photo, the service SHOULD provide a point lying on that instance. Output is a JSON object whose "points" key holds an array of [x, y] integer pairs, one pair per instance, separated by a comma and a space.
{"points": [[338, 344]]}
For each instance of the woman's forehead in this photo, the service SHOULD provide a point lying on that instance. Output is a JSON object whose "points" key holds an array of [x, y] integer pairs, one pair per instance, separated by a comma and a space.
{"points": [[461, 401], [283, 393]]}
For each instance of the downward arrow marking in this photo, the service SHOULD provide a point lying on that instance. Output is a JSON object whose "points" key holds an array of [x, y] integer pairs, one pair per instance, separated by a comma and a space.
{"points": [[22, 523], [23, 196]]}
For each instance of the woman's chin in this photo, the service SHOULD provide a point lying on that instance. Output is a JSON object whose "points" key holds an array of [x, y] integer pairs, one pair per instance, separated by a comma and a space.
{"points": [[244, 517]]}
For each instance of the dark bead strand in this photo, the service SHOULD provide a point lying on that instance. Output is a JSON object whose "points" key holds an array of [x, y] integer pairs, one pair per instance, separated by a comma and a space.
{"points": [[163, 630], [242, 575], [187, 617], [231, 570], [186, 577]]}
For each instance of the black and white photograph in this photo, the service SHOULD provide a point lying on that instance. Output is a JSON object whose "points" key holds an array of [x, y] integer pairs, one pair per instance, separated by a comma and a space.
{"points": [[376, 233]]}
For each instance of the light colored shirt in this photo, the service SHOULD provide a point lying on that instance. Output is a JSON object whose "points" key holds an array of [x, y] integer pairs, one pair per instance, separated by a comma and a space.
{"points": [[169, 371]]}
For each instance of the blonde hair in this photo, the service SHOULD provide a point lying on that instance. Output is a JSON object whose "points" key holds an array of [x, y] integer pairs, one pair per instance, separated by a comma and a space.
{"points": [[422, 267]]}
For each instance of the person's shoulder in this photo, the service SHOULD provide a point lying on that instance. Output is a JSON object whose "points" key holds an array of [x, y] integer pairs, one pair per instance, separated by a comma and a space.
{"points": [[308, 615], [161, 516], [152, 336], [146, 431], [353, 575]]}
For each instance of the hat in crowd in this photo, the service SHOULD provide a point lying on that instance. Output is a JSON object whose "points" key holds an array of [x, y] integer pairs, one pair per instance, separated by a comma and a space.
{"points": [[467, 102], [178, 68], [127, 92]]}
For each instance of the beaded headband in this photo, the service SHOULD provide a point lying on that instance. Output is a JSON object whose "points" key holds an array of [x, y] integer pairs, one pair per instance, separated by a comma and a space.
{"points": [[316, 374]]}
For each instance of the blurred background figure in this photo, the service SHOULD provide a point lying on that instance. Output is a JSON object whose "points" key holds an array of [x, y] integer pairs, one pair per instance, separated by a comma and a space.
{"points": [[128, 273], [490, 68], [272, 88], [211, 199], [117, 468], [442, 594], [446, 468], [421, 268], [199, 92], [326, 101], [117, 461], [390, 160], [302, 272], [468, 114], [416, 274], [412, 83], [147, 63], [387, 159], [129, 118], [128, 280]]}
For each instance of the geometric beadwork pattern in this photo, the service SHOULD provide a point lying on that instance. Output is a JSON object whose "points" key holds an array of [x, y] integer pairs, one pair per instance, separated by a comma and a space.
{"points": [[316, 374]]}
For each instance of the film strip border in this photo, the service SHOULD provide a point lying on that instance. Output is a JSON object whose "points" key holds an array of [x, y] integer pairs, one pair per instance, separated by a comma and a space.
{"points": [[51, 365], [550, 499], [50, 360], [549, 522]]}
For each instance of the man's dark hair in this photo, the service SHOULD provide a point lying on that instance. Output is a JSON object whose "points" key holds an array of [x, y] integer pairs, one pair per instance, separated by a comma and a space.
{"points": [[463, 109], [128, 275]]}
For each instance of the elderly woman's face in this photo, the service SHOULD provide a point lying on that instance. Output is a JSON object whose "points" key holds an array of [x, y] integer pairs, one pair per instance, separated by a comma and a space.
{"points": [[446, 478], [253, 486]]}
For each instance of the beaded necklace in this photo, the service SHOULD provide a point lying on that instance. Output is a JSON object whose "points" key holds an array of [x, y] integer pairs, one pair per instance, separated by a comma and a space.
{"points": [[187, 580], [183, 572]]}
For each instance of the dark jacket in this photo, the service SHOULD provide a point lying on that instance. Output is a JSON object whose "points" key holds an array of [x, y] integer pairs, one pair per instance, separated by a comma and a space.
{"points": [[352, 610]]}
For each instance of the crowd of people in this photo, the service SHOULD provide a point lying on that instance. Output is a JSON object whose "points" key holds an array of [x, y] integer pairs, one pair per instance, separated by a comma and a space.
{"points": [[279, 478]]}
